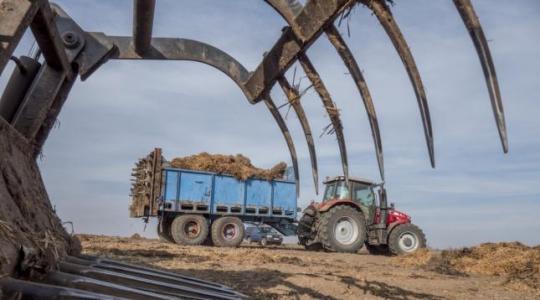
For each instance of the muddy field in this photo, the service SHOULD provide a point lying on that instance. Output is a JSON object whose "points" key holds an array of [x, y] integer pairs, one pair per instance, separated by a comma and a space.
{"points": [[289, 272]]}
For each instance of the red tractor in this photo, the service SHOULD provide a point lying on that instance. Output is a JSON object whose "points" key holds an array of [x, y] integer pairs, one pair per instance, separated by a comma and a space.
{"points": [[355, 213]]}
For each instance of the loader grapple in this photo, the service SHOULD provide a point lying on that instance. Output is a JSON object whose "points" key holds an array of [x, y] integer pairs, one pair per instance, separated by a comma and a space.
{"points": [[34, 98]]}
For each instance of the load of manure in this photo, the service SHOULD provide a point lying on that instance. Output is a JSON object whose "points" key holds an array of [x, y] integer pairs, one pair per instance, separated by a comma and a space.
{"points": [[237, 165]]}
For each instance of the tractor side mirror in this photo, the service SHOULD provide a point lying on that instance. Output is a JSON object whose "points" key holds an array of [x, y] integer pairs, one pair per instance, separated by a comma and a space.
{"points": [[392, 206]]}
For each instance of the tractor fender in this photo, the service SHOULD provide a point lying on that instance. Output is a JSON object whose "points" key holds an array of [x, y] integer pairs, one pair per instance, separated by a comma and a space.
{"points": [[327, 205], [403, 219]]}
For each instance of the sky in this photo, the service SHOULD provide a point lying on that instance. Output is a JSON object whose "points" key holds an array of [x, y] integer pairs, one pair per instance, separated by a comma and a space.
{"points": [[476, 194]]}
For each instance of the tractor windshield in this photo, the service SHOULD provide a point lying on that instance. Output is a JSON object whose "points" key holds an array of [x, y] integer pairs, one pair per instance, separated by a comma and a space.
{"points": [[360, 192]]}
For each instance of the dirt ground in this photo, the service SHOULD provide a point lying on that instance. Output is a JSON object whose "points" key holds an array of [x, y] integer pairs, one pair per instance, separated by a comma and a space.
{"points": [[289, 272]]}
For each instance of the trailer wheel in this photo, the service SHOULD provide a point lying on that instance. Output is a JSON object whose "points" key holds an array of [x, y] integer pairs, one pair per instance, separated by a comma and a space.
{"points": [[406, 238], [228, 232], [189, 229], [164, 231], [343, 229]]}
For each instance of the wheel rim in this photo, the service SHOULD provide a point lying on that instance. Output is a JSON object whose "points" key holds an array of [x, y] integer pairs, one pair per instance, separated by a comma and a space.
{"points": [[192, 229], [346, 231], [408, 242], [230, 231]]}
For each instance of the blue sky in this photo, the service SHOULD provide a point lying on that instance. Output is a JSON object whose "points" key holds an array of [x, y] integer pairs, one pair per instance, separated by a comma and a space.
{"points": [[475, 194]]}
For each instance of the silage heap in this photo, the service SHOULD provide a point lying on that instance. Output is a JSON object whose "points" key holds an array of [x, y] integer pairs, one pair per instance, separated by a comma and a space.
{"points": [[237, 165]]}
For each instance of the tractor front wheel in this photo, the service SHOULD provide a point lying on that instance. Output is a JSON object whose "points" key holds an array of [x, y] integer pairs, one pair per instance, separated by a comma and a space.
{"points": [[342, 229], [405, 239]]}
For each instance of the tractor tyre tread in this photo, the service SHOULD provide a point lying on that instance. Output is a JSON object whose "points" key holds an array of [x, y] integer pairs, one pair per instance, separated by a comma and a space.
{"points": [[393, 237], [326, 230]]}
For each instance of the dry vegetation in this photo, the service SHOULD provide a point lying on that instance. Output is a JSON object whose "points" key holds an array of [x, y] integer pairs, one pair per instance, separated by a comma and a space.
{"points": [[490, 271], [237, 165], [518, 264]]}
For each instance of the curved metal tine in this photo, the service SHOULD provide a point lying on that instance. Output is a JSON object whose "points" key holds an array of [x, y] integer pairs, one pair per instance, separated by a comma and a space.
{"points": [[112, 265], [151, 285], [287, 135], [385, 17], [94, 285], [33, 290], [293, 97], [331, 109], [466, 10], [149, 274], [346, 55], [288, 9]]}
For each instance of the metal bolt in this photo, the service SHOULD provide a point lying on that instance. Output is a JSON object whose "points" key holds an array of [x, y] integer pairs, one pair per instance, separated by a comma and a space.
{"points": [[71, 40]]}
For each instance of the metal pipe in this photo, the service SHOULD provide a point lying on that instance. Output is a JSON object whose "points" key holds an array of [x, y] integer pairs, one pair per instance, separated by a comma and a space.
{"points": [[143, 21]]}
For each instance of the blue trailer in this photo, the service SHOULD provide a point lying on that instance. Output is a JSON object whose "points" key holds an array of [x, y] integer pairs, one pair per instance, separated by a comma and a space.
{"points": [[197, 207]]}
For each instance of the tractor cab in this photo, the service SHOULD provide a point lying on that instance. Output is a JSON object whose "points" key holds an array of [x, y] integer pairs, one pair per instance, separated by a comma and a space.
{"points": [[359, 190]]}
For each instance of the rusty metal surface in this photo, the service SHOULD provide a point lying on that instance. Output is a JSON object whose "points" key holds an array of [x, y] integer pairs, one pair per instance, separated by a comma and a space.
{"points": [[387, 21], [15, 16], [308, 25], [331, 109], [143, 21], [181, 49], [346, 55], [476, 32], [287, 135], [293, 97], [49, 40]]}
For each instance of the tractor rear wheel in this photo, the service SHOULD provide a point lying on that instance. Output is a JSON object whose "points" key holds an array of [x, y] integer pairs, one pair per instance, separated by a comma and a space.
{"points": [[406, 238], [189, 229], [342, 229], [228, 232]]}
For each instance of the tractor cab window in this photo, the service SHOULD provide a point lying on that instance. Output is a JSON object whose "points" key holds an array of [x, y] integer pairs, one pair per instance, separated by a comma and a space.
{"points": [[330, 191], [363, 194], [336, 190]]}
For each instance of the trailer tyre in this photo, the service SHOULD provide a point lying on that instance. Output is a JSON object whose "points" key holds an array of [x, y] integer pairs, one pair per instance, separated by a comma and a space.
{"points": [[164, 231], [189, 229], [227, 232], [342, 229], [406, 238]]}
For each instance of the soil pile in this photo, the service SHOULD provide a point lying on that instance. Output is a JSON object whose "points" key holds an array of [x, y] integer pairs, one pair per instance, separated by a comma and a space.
{"points": [[517, 263], [237, 165]]}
